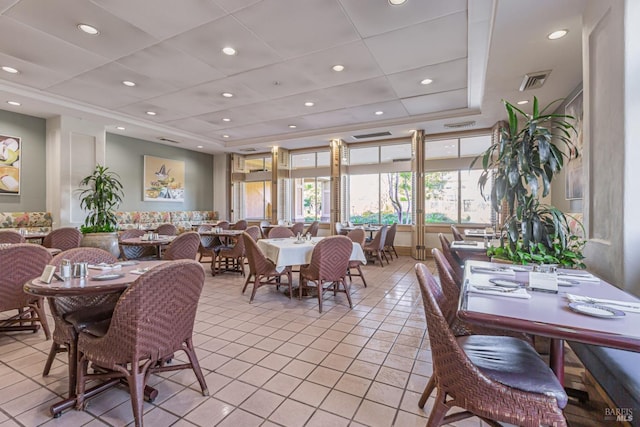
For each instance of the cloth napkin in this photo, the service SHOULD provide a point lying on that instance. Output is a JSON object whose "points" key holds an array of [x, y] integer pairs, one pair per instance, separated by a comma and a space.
{"points": [[104, 266], [629, 306], [579, 276], [139, 271], [502, 271], [475, 282]]}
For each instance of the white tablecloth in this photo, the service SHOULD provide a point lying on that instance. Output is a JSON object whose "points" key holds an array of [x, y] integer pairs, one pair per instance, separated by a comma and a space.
{"points": [[284, 252]]}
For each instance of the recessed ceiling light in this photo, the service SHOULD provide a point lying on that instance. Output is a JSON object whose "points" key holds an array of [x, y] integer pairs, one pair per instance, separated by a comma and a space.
{"points": [[225, 136], [292, 126], [10, 70], [199, 146], [309, 104], [228, 50], [557, 34], [88, 29], [338, 67], [120, 127], [14, 103], [426, 82], [227, 94], [226, 119], [151, 113], [379, 113], [524, 101], [128, 83], [396, 2]]}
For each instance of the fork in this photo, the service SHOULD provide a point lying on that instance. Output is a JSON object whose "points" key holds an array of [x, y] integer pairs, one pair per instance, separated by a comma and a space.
{"points": [[618, 304], [496, 288]]}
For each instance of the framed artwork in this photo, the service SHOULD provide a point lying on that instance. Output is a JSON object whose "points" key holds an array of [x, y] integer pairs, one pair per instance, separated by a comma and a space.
{"points": [[163, 180], [574, 178], [10, 165]]}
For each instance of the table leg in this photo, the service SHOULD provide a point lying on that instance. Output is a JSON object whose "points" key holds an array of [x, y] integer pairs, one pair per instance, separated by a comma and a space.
{"points": [[556, 358]]}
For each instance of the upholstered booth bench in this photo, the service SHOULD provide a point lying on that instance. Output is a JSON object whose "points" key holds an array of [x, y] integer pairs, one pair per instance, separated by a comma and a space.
{"points": [[183, 220], [29, 221]]}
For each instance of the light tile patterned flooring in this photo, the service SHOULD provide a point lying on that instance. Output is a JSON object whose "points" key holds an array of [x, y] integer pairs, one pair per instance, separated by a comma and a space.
{"points": [[273, 362]]}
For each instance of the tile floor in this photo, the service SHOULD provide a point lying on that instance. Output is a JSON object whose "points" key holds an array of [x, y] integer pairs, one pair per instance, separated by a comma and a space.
{"points": [[274, 362]]}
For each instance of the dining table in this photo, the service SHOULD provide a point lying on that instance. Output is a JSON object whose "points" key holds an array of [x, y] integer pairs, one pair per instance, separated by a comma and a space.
{"points": [[569, 305], [160, 242], [101, 279]]}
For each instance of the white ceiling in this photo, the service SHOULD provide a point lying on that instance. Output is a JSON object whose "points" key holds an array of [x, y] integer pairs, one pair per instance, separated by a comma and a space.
{"points": [[476, 52]]}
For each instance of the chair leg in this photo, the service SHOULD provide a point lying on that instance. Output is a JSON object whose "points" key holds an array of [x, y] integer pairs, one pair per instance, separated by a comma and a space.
{"points": [[347, 290], [136, 382], [37, 307], [55, 349], [427, 392], [361, 276], [290, 279], [246, 282], [319, 283], [439, 410], [394, 251], [195, 365], [80, 386], [256, 285], [379, 258], [73, 364]]}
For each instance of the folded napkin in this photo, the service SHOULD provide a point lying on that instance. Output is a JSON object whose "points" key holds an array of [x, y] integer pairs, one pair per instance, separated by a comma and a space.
{"points": [[629, 306], [463, 243], [104, 266], [503, 271], [482, 285], [139, 271], [579, 276]]}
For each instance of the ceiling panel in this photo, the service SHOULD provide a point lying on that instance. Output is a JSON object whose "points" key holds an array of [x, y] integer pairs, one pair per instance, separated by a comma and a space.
{"points": [[193, 125], [436, 102], [31, 74], [446, 76], [234, 5], [276, 81], [91, 93]]}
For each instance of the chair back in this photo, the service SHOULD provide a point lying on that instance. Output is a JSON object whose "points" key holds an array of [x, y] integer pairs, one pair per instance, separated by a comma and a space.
{"points": [[133, 252], [185, 246], [330, 258], [379, 239], [451, 291], [20, 263], [240, 225], [167, 230], [298, 227], [453, 259], [339, 226], [391, 234], [280, 232], [258, 262], [64, 238], [313, 229], [357, 235], [205, 241], [254, 232], [235, 251], [457, 235], [224, 225], [155, 315], [90, 255], [263, 228], [10, 236]]}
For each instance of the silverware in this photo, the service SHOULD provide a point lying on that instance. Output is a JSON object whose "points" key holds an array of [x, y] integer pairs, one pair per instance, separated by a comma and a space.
{"points": [[617, 304], [495, 288]]}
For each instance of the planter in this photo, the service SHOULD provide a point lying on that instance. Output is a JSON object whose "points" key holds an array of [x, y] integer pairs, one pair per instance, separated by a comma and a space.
{"points": [[106, 241]]}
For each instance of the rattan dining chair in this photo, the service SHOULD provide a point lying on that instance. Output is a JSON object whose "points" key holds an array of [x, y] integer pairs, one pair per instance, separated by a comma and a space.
{"points": [[240, 225], [70, 313], [206, 242], [375, 248], [64, 238], [495, 378], [329, 264], [135, 252], [457, 235], [264, 228], [280, 233], [167, 230], [185, 246], [313, 229], [452, 259], [10, 236], [358, 236], [20, 263], [262, 271], [389, 241], [254, 232], [297, 227], [233, 255], [152, 320]]}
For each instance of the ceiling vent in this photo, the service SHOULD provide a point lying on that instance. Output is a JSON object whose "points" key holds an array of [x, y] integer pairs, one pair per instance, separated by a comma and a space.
{"points": [[534, 80], [459, 125], [372, 135], [247, 150], [173, 141]]}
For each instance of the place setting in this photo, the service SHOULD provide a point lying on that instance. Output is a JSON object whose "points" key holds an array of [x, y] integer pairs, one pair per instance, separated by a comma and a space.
{"points": [[601, 307]]}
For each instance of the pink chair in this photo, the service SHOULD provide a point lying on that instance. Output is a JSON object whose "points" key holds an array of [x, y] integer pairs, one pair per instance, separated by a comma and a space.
{"points": [[457, 235], [357, 236], [390, 240], [206, 242], [329, 265], [233, 255], [240, 225], [135, 252], [280, 232], [10, 236], [261, 269], [167, 230], [313, 229], [254, 232], [375, 248], [297, 227], [185, 246], [452, 258], [64, 238]]}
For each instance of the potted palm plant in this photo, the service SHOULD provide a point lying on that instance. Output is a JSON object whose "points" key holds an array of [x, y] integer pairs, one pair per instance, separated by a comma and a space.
{"points": [[100, 196], [530, 150]]}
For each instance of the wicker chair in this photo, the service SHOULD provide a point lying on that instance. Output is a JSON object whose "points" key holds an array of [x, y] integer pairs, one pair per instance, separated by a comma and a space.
{"points": [[313, 229], [206, 242], [185, 246], [375, 248], [234, 254], [452, 259], [329, 264], [298, 227], [493, 377], [64, 238], [457, 235], [254, 232], [240, 225], [264, 228], [280, 232], [153, 319], [167, 230], [10, 236], [20, 263], [262, 270], [79, 311], [358, 236], [224, 225], [135, 252], [390, 239], [339, 229]]}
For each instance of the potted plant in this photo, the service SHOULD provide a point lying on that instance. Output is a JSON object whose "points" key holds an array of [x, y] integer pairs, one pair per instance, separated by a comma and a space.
{"points": [[100, 198], [522, 164]]}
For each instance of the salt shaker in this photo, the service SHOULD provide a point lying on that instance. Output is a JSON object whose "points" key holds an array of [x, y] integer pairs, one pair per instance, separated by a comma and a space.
{"points": [[65, 269]]}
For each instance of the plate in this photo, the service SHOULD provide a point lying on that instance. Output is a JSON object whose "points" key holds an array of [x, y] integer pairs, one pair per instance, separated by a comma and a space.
{"points": [[300, 242], [567, 282], [595, 310], [109, 276], [125, 263], [506, 283]]}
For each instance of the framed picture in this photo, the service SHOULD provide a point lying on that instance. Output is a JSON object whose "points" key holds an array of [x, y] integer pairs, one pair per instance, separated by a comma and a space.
{"points": [[574, 178], [163, 180], [10, 147]]}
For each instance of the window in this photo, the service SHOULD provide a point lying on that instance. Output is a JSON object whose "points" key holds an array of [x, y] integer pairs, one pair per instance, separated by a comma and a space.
{"points": [[257, 199], [311, 186]]}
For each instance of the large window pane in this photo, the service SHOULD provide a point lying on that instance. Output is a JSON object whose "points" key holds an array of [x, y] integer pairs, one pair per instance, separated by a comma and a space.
{"points": [[474, 145], [363, 196], [474, 208], [306, 160], [441, 149], [363, 156], [311, 199], [395, 197], [389, 153], [257, 199], [441, 197], [323, 159]]}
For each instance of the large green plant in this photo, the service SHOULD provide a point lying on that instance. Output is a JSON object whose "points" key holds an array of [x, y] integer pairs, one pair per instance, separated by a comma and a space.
{"points": [[100, 199], [529, 152]]}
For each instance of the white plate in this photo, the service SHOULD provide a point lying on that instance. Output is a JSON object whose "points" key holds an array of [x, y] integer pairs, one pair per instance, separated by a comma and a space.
{"points": [[506, 283], [108, 276], [126, 263], [595, 310]]}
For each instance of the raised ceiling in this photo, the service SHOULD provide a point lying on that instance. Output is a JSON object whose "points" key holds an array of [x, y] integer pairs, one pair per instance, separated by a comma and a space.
{"points": [[475, 52]]}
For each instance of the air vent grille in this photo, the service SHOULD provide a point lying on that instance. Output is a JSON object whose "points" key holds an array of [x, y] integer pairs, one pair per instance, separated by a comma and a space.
{"points": [[534, 80], [372, 135], [173, 141], [247, 150], [459, 125]]}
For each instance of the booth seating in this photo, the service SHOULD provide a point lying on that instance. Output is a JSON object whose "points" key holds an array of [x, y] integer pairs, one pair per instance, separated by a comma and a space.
{"points": [[29, 221], [150, 220]]}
